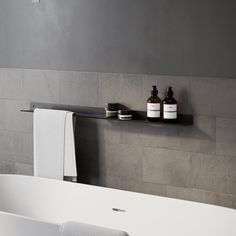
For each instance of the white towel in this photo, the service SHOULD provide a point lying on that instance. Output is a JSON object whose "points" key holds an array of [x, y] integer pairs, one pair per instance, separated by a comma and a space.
{"points": [[54, 146], [79, 229], [69, 152]]}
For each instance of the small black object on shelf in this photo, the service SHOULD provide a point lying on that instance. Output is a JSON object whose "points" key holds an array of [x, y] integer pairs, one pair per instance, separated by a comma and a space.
{"points": [[99, 113], [111, 110], [125, 115]]}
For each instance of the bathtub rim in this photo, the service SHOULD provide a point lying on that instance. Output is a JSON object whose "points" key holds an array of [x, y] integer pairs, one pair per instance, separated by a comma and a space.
{"points": [[114, 190]]}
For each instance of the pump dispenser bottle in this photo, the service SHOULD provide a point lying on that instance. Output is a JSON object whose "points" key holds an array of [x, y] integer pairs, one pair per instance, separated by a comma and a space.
{"points": [[169, 107], [154, 106]]}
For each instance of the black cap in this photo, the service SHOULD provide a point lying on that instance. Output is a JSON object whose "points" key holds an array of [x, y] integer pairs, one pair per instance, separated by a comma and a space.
{"points": [[125, 112], [111, 106], [169, 92], [154, 91]]}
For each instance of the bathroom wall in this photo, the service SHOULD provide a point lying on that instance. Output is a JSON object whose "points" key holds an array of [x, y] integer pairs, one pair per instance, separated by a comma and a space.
{"points": [[193, 42], [130, 36], [196, 163]]}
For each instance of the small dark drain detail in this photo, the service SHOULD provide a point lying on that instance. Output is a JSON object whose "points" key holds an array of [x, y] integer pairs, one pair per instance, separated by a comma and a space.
{"points": [[118, 210]]}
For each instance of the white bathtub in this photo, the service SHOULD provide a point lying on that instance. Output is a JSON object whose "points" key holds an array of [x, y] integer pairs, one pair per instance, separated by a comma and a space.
{"points": [[33, 206]]}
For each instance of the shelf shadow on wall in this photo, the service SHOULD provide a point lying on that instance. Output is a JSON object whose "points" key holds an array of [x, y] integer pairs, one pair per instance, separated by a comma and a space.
{"points": [[94, 137]]}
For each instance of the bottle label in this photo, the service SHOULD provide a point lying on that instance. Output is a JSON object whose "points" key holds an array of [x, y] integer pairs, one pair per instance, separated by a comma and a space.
{"points": [[153, 110], [170, 111]]}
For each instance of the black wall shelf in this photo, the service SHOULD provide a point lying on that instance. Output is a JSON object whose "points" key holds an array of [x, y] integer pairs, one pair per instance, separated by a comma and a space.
{"points": [[99, 113]]}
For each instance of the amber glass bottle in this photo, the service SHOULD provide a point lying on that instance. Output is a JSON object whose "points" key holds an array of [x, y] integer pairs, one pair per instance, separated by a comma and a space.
{"points": [[154, 106], [170, 113]]}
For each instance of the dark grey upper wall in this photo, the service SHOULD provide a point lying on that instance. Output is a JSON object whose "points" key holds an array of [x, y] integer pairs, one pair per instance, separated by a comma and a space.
{"points": [[178, 37]]}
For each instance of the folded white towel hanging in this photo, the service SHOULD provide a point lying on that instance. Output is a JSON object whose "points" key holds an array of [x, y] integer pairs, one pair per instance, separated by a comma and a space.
{"points": [[54, 146], [69, 151], [79, 229]]}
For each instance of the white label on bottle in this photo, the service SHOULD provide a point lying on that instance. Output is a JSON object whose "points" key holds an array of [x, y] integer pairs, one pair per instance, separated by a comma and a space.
{"points": [[170, 115], [170, 107], [153, 110], [170, 111], [153, 106], [154, 114]]}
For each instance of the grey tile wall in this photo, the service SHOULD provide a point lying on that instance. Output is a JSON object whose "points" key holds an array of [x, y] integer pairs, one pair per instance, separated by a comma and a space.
{"points": [[83, 87], [226, 136], [167, 167], [196, 163]]}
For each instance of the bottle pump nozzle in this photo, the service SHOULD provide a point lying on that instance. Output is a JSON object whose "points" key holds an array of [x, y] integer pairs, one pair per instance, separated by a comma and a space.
{"points": [[170, 92], [154, 91]]}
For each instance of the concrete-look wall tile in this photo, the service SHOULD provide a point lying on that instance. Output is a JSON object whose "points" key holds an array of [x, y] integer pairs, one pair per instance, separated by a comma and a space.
{"points": [[79, 88], [16, 146], [206, 124], [150, 136], [102, 131], [226, 200], [234, 203], [164, 166], [108, 132], [121, 88], [10, 144], [126, 155], [197, 195], [214, 97], [26, 155], [41, 85], [24, 169], [7, 155], [3, 117], [203, 196], [111, 182], [193, 139], [213, 173], [203, 93], [123, 161], [224, 101], [11, 83], [226, 137], [17, 120], [180, 87], [7, 167], [200, 138], [231, 182], [143, 187], [133, 185]]}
